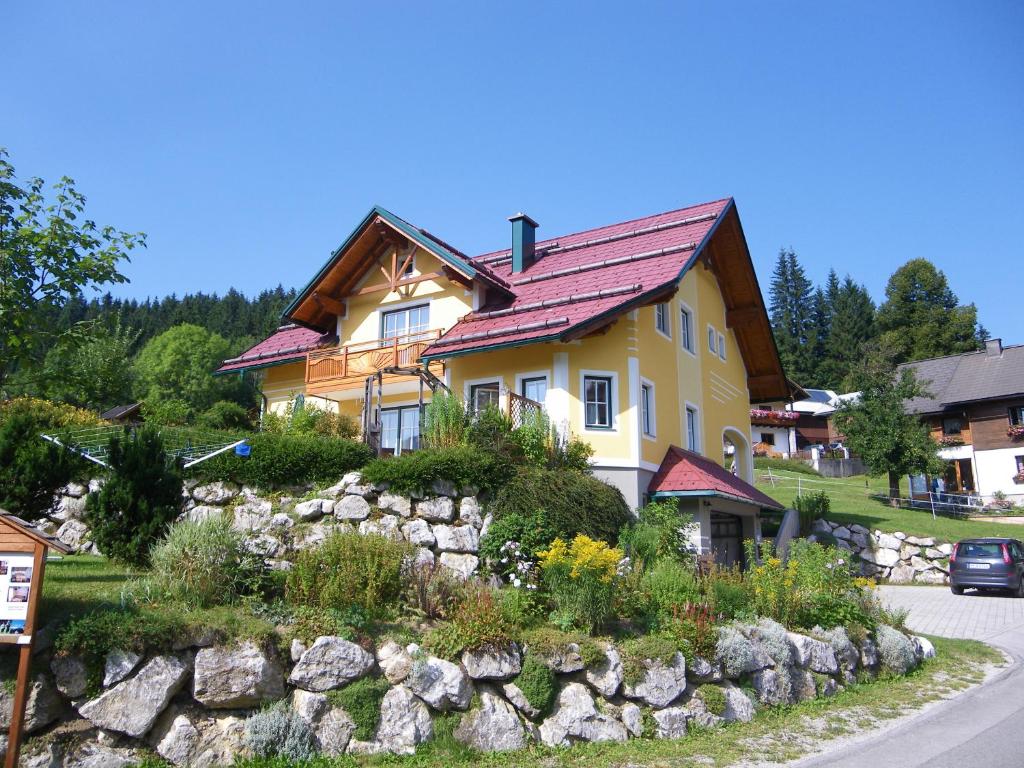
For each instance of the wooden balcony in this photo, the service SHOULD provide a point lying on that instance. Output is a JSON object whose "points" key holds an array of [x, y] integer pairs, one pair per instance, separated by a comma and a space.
{"points": [[347, 367]]}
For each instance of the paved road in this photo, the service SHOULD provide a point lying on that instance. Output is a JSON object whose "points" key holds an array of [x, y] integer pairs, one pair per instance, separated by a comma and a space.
{"points": [[984, 727]]}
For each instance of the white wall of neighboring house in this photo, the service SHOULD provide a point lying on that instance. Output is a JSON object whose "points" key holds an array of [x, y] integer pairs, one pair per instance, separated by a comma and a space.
{"points": [[995, 471], [785, 437]]}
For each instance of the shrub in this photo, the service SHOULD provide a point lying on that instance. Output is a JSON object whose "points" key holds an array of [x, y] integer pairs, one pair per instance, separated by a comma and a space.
{"points": [[464, 466], [538, 684], [435, 591], [693, 631], [32, 470], [638, 649], [141, 497], [713, 698], [490, 431], [547, 641], [279, 732], [49, 415], [671, 586], [361, 700], [286, 460], [575, 503], [581, 579], [786, 465], [444, 421], [727, 591], [660, 532], [307, 623], [895, 650], [541, 445], [203, 563], [301, 418], [478, 624], [530, 533], [225, 414], [734, 651], [349, 569], [811, 506]]}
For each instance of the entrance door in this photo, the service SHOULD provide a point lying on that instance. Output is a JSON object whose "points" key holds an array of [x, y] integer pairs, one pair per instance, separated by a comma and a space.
{"points": [[966, 472], [727, 539]]}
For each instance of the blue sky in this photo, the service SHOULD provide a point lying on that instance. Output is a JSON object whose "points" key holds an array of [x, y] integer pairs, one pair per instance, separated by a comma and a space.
{"points": [[248, 138]]}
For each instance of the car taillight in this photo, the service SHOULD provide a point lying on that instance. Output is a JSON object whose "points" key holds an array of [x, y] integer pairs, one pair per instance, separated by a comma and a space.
{"points": [[1006, 554], [952, 555]]}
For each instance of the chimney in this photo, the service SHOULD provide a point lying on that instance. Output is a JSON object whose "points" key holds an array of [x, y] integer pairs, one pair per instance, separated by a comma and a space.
{"points": [[524, 235], [994, 347]]}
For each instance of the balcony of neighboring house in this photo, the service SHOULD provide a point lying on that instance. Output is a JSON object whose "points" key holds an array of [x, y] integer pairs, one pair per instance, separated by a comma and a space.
{"points": [[951, 431], [760, 417], [334, 370]]}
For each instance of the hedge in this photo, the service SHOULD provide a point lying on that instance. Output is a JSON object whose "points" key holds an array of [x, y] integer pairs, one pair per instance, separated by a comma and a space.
{"points": [[465, 466], [277, 461]]}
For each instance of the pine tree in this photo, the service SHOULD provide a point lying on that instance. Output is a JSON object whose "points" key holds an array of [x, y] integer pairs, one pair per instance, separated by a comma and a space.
{"points": [[792, 315]]}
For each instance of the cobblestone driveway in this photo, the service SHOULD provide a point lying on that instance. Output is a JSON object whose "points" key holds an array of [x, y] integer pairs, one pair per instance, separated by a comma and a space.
{"points": [[937, 611]]}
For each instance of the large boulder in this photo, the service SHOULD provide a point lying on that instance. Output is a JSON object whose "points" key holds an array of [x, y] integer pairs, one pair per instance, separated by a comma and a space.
{"points": [[197, 738], [131, 707], [236, 677], [385, 525], [457, 538], [43, 705], [75, 534], [923, 647], [660, 684], [576, 718], [492, 664], [518, 699], [392, 502], [217, 493], [71, 676], [118, 665], [462, 566], [404, 722], [394, 661], [470, 512], [814, 654], [418, 533], [902, 574], [563, 659], [330, 662], [700, 670], [770, 687], [352, 508], [443, 685], [493, 726], [884, 558], [671, 722], [606, 677], [313, 509], [255, 515], [437, 510], [738, 706]]}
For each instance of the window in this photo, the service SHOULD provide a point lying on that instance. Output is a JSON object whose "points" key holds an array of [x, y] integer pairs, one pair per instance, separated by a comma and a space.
{"points": [[409, 268], [661, 319], [721, 346], [691, 429], [535, 389], [483, 396], [1017, 415], [400, 429], [647, 409], [1020, 464], [768, 438], [686, 329], [953, 426], [712, 341], [597, 402], [412, 321]]}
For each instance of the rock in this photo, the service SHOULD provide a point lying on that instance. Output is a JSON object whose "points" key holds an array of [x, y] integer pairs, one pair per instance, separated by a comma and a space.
{"points": [[842, 533], [418, 533], [606, 678], [100, 756], [768, 687], [661, 684], [309, 706], [886, 541], [75, 490], [803, 685], [195, 637], [901, 574], [945, 549], [96, 484], [313, 509], [697, 712], [738, 706], [934, 576], [218, 493], [440, 683], [75, 534], [236, 677], [43, 705], [900, 535], [869, 654], [671, 723], [462, 566], [71, 676], [459, 538], [488, 520], [281, 522], [253, 515], [201, 512], [422, 558], [404, 722], [923, 647], [330, 662], [178, 741], [198, 739], [394, 661], [264, 545], [352, 508], [392, 502], [926, 541], [437, 510], [444, 488], [821, 526], [576, 718], [305, 537], [859, 541], [703, 671], [131, 707], [633, 718], [118, 665], [564, 659], [814, 655], [386, 526], [469, 512], [69, 508], [334, 732], [885, 558], [493, 726], [933, 553], [497, 664], [920, 565], [907, 552], [829, 688], [515, 695], [355, 489]]}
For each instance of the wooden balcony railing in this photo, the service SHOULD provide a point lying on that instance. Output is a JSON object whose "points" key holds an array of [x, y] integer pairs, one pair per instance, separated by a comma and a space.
{"points": [[368, 357], [523, 410]]}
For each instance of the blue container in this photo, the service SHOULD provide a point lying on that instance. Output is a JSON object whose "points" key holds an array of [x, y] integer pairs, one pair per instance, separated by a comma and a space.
{"points": [[243, 450]]}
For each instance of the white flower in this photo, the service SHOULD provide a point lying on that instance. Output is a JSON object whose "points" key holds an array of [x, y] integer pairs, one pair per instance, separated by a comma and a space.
{"points": [[516, 582]]}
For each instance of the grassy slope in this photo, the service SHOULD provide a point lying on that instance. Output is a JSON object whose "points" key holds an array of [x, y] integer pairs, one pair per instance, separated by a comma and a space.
{"points": [[79, 584], [852, 503]]}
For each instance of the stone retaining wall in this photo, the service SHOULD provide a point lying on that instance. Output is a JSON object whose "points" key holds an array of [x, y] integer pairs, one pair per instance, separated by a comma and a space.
{"points": [[896, 557]]}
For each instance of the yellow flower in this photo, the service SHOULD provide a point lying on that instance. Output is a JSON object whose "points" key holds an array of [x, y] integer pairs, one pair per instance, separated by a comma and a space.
{"points": [[584, 556]]}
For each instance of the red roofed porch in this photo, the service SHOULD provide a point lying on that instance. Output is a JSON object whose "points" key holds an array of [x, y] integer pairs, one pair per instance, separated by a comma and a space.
{"points": [[725, 508]]}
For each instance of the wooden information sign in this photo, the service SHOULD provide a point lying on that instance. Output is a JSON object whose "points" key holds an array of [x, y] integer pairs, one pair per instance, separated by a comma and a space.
{"points": [[22, 564]]}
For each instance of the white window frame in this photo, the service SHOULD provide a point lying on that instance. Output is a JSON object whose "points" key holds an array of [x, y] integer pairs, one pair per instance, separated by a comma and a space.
{"points": [[649, 429], [400, 306], [662, 319], [521, 377], [467, 391], [613, 404], [399, 409], [694, 444], [686, 340], [712, 335], [721, 346]]}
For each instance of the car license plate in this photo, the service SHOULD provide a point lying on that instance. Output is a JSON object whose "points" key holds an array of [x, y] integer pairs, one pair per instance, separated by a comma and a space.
{"points": [[978, 566]]}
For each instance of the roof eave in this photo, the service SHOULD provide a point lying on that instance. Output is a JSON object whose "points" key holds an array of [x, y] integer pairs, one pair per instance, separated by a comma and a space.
{"points": [[716, 494]]}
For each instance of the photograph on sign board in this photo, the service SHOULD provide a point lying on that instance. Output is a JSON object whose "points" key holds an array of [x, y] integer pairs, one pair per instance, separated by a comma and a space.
{"points": [[17, 594], [12, 627], [22, 575], [3, 567]]}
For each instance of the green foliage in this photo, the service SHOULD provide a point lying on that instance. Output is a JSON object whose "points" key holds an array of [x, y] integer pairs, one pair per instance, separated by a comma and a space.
{"points": [[785, 465], [547, 641], [362, 700], [200, 564], [49, 255], [302, 418], [733, 651], [464, 466], [671, 585], [444, 421], [580, 578], [32, 470], [140, 498], [728, 593], [277, 461], [538, 684], [225, 414], [810, 507], [574, 502], [790, 310], [895, 650], [51, 417], [542, 445], [533, 532], [713, 698], [660, 532], [692, 629], [490, 430], [639, 649], [279, 731], [349, 569], [478, 623]]}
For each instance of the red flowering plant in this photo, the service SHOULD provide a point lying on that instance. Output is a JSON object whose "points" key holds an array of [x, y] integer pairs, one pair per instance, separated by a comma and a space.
{"points": [[1015, 432]]}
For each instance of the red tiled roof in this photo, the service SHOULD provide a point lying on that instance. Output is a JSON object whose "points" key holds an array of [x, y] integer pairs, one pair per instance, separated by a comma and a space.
{"points": [[289, 342], [686, 471], [580, 277]]}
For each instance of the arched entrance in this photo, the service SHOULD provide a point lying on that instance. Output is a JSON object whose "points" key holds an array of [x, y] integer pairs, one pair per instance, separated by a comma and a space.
{"points": [[737, 453]]}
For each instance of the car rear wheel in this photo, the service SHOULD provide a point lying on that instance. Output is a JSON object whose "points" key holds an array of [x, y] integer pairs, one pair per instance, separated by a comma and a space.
{"points": [[956, 590]]}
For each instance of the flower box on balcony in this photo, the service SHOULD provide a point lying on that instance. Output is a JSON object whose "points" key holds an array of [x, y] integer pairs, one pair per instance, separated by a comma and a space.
{"points": [[1015, 432], [950, 441], [762, 418]]}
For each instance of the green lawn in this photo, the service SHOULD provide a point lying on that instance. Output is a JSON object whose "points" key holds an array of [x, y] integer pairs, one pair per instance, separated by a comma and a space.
{"points": [[79, 584], [852, 502]]}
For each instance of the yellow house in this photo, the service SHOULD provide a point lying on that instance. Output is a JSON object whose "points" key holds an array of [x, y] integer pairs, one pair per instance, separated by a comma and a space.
{"points": [[635, 337]]}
